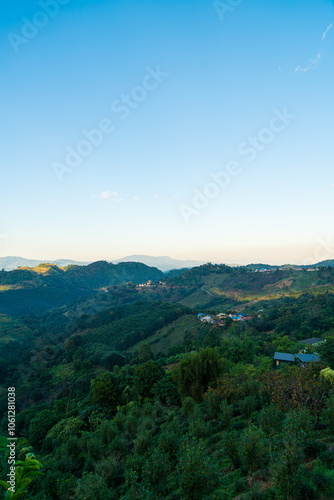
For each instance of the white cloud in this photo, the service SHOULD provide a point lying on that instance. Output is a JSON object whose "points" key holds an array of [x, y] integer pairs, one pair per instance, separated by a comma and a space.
{"points": [[327, 31], [111, 197], [157, 196], [135, 198], [105, 195], [313, 64]]}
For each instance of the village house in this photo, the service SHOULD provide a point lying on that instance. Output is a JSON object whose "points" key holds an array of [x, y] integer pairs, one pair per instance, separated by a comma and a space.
{"points": [[304, 359], [282, 358], [218, 320], [314, 341]]}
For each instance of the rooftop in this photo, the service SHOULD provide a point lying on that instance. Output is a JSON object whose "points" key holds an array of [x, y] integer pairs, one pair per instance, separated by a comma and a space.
{"points": [[307, 358], [283, 356], [313, 340]]}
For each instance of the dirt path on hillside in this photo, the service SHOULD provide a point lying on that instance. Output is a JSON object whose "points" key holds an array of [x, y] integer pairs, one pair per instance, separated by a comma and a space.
{"points": [[239, 309]]}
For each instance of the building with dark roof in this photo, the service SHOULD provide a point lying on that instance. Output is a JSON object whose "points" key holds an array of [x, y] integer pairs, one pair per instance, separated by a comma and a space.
{"points": [[313, 341], [307, 358], [282, 358], [303, 359]]}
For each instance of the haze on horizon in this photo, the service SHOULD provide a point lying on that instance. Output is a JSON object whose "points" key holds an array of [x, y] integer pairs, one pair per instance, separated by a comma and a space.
{"points": [[175, 128]]}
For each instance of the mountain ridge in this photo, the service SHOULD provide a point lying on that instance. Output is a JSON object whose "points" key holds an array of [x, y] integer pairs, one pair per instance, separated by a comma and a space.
{"points": [[163, 263]]}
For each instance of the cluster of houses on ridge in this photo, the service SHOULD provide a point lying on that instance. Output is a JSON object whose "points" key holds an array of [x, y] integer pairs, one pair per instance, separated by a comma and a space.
{"points": [[282, 358], [285, 268], [150, 284], [219, 319]]}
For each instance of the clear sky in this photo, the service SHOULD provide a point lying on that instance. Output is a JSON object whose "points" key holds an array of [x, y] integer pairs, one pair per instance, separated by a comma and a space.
{"points": [[216, 129]]}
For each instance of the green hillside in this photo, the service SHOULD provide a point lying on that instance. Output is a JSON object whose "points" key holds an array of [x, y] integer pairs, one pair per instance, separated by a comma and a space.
{"points": [[32, 291], [12, 330], [224, 287], [126, 394], [122, 327], [102, 274]]}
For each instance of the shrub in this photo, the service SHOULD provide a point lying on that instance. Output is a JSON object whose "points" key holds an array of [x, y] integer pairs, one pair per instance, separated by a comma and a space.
{"points": [[248, 406], [213, 402], [306, 491], [313, 448], [156, 471], [253, 449], [225, 415], [231, 448], [197, 474], [169, 443], [166, 390], [40, 425], [327, 458], [197, 426], [145, 378], [270, 420], [287, 471], [188, 406], [105, 391], [66, 428], [92, 486]]}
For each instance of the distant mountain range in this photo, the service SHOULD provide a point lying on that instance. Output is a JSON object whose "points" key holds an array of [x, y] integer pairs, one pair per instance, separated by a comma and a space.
{"points": [[324, 263], [10, 263], [327, 263], [163, 263]]}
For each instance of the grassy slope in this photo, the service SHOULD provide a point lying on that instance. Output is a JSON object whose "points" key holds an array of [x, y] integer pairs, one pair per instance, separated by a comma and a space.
{"points": [[169, 335], [12, 329], [290, 283]]}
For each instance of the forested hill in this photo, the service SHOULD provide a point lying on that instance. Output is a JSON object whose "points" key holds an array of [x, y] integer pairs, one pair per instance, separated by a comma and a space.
{"points": [[101, 274], [34, 290], [227, 279]]}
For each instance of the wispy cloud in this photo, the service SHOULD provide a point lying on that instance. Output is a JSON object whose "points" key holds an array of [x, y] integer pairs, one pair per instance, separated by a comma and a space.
{"points": [[313, 64], [105, 195], [157, 196], [111, 197], [327, 31], [135, 198]]}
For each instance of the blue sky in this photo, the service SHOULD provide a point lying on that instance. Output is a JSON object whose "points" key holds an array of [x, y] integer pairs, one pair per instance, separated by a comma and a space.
{"points": [[196, 83]]}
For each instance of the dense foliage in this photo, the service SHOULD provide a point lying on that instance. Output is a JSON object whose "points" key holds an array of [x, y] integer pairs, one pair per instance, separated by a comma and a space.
{"points": [[112, 411]]}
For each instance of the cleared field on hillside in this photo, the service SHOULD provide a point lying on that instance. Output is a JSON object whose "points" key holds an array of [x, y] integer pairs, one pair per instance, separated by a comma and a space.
{"points": [[172, 334], [11, 329]]}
